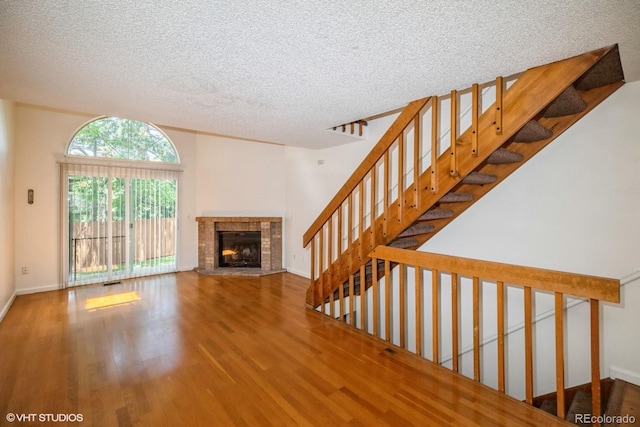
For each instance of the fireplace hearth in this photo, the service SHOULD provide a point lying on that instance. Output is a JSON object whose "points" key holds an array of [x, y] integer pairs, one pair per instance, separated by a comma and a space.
{"points": [[239, 245]]}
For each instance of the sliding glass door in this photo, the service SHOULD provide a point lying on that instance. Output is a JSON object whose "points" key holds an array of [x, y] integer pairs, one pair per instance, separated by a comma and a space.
{"points": [[121, 223]]}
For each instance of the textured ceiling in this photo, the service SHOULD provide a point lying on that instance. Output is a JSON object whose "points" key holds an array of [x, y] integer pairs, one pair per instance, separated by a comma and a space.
{"points": [[282, 71]]}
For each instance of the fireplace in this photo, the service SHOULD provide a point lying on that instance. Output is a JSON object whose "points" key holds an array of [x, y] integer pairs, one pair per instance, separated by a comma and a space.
{"points": [[239, 249], [249, 246]]}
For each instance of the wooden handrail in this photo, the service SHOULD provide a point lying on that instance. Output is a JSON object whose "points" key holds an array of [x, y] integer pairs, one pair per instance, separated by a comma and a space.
{"points": [[578, 285], [595, 289], [404, 119]]}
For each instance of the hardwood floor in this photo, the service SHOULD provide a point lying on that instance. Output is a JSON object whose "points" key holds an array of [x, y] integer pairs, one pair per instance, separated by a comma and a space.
{"points": [[201, 351]]}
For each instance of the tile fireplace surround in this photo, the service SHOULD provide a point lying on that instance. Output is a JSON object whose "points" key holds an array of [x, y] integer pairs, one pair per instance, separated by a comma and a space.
{"points": [[270, 243]]}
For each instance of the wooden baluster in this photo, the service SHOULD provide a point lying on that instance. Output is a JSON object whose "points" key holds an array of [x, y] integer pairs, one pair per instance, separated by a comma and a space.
{"points": [[363, 295], [344, 128], [352, 317], [330, 265], [385, 224], [500, 292], [341, 297], [339, 234], [359, 128], [321, 262], [453, 169], [559, 311], [351, 128], [313, 272], [387, 300], [454, 321], [528, 346], [596, 410], [499, 88], [376, 300], [434, 316], [476, 328], [350, 221], [417, 194], [403, 311], [418, 301], [372, 215], [434, 144], [475, 104], [361, 221], [401, 177], [339, 248]]}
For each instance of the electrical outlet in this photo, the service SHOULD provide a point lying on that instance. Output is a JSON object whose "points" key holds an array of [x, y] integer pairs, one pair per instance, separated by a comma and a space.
{"points": [[25, 270]]}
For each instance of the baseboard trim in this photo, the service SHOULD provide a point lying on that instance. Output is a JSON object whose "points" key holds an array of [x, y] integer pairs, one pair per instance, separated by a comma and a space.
{"points": [[7, 306], [623, 374], [37, 290], [298, 272]]}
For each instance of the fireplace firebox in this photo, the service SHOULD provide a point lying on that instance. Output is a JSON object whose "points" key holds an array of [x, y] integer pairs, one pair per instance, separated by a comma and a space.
{"points": [[239, 249]]}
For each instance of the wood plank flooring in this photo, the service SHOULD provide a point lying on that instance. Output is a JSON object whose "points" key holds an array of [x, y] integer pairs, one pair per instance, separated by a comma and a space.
{"points": [[190, 350]]}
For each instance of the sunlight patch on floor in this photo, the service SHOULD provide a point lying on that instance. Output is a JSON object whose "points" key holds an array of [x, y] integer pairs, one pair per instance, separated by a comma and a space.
{"points": [[111, 300]]}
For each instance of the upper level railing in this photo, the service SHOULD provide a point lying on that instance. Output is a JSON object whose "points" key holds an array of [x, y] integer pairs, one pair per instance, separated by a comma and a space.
{"points": [[417, 288]]}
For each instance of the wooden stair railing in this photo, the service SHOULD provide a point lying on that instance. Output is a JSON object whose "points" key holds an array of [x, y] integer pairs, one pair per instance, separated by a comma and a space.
{"points": [[543, 102], [475, 274]]}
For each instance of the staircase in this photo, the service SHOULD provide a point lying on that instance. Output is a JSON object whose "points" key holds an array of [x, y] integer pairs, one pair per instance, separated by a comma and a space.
{"points": [[620, 398], [403, 194]]}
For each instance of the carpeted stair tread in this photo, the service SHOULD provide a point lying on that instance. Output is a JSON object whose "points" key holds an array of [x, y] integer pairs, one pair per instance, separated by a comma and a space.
{"points": [[581, 404], [404, 243], [503, 156], [456, 197], [437, 213], [549, 406], [606, 71], [567, 103], [417, 229], [614, 405], [478, 178], [531, 132]]}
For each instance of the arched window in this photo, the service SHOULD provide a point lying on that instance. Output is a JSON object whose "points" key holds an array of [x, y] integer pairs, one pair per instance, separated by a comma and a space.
{"points": [[119, 216], [116, 138]]}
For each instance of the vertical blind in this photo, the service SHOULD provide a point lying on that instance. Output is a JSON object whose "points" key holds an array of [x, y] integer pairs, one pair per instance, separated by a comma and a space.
{"points": [[117, 222]]}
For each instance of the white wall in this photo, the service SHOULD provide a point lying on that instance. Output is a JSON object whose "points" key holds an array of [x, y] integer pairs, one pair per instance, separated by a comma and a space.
{"points": [[41, 137], [239, 178], [313, 177], [221, 176], [7, 264]]}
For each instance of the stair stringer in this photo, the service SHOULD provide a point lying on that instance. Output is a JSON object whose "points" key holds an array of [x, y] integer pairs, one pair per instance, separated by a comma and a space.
{"points": [[523, 101]]}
